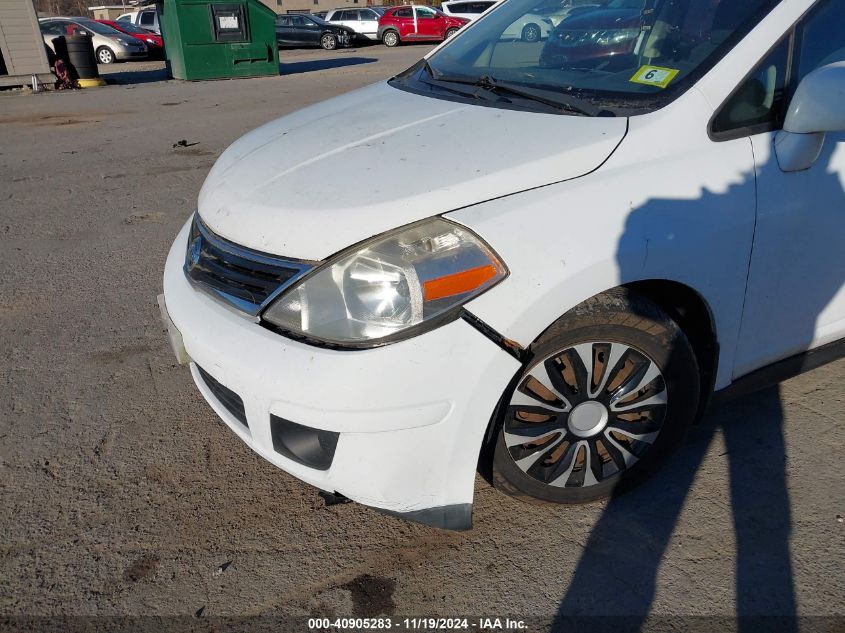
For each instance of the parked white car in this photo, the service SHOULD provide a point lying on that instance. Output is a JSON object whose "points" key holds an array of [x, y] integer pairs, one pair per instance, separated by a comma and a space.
{"points": [[145, 18], [364, 21], [544, 270], [467, 9], [530, 27]]}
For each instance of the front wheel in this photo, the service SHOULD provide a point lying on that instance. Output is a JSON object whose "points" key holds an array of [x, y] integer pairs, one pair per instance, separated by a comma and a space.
{"points": [[612, 387], [531, 33], [390, 38], [328, 42], [105, 55], [450, 33]]}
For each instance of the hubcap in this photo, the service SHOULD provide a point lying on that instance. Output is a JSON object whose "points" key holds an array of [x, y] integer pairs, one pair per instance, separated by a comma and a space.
{"points": [[588, 418], [585, 414]]}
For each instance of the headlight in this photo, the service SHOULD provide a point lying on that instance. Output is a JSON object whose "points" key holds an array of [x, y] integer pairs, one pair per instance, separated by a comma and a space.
{"points": [[610, 37], [613, 37], [390, 287]]}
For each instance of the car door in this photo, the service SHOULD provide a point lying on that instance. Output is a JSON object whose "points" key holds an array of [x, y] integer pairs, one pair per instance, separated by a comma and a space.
{"points": [[305, 32], [405, 22], [300, 34], [368, 23], [795, 299], [428, 24], [149, 20], [284, 30]]}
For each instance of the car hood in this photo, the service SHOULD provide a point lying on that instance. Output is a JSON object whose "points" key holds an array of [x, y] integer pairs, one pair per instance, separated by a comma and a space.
{"points": [[318, 180]]}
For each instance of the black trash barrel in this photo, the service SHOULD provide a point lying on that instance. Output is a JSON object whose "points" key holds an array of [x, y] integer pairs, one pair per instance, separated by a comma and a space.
{"points": [[80, 51]]}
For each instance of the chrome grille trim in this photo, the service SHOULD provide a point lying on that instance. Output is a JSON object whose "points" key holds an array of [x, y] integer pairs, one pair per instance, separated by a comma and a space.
{"points": [[245, 279]]}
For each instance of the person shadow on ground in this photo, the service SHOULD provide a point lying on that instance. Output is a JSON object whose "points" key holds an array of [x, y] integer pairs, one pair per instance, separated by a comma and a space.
{"points": [[613, 586]]}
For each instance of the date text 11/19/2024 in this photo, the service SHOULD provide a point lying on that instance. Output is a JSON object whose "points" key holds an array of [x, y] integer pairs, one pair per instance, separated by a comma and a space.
{"points": [[416, 624]]}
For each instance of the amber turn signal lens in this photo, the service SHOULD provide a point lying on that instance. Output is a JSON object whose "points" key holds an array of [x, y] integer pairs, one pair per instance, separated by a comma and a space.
{"points": [[457, 283]]}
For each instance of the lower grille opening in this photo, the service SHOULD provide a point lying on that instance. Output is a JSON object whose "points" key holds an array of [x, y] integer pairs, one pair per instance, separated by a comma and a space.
{"points": [[229, 399], [310, 447]]}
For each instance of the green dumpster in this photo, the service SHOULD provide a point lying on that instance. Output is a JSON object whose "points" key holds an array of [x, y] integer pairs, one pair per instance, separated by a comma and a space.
{"points": [[215, 40]]}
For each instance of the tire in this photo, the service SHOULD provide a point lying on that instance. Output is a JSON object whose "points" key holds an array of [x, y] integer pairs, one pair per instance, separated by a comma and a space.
{"points": [[531, 33], [630, 355], [328, 41], [105, 55], [450, 33], [390, 38]]}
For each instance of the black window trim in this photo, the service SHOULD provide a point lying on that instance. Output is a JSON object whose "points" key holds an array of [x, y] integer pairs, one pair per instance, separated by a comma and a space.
{"points": [[795, 36], [744, 131]]}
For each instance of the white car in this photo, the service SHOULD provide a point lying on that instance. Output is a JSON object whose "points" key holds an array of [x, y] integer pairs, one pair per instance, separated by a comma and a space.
{"points": [[364, 21], [145, 18], [467, 9], [530, 27], [543, 271]]}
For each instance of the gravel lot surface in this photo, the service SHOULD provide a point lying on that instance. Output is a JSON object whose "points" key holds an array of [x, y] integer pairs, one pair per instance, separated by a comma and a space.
{"points": [[122, 494]]}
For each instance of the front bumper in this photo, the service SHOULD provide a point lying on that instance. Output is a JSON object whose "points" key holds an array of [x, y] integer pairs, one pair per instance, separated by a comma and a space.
{"points": [[130, 53], [410, 416]]}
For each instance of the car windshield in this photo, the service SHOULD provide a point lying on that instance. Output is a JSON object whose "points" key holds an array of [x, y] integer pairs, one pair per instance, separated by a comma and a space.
{"points": [[131, 28], [96, 27], [611, 57]]}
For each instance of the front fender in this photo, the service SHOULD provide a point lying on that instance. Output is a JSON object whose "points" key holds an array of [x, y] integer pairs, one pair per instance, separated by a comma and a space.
{"points": [[681, 211]]}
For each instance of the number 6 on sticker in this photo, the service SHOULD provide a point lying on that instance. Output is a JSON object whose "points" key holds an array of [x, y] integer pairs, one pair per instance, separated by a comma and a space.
{"points": [[654, 76]]}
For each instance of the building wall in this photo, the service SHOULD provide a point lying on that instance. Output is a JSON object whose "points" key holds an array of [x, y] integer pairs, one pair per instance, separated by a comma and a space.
{"points": [[20, 40], [108, 13]]}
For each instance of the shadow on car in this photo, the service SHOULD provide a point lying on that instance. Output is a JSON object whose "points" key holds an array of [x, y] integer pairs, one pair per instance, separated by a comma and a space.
{"points": [[295, 68]]}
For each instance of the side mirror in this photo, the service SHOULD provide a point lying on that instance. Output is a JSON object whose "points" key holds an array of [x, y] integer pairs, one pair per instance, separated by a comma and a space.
{"points": [[815, 110]]}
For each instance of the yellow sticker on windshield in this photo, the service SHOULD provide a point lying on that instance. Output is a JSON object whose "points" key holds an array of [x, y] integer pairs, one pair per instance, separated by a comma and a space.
{"points": [[654, 76]]}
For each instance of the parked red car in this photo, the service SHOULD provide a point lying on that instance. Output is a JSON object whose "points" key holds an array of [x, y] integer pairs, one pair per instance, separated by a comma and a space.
{"points": [[155, 45], [416, 24]]}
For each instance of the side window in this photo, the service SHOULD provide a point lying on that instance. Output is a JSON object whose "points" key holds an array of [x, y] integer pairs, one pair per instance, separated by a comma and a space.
{"points": [[284, 21], [821, 38], [756, 106], [148, 18], [403, 13], [425, 14]]}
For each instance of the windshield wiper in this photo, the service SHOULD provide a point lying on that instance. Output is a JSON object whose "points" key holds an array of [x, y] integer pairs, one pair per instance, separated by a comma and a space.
{"points": [[551, 99]]}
